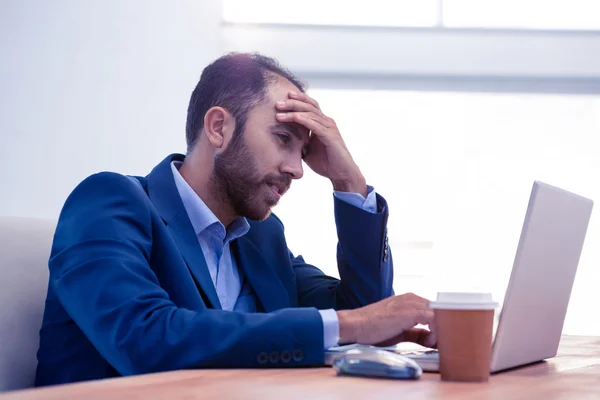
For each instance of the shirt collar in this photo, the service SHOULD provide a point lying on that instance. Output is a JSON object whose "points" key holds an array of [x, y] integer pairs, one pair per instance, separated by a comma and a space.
{"points": [[201, 217]]}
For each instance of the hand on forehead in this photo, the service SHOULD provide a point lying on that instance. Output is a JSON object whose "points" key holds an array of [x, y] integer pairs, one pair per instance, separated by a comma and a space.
{"points": [[287, 94]]}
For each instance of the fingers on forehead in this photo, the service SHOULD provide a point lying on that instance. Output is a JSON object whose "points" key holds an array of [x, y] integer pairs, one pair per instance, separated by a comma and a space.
{"points": [[304, 97]]}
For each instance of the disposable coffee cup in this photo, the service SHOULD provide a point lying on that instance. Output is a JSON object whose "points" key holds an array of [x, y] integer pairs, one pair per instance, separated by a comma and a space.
{"points": [[464, 324]]}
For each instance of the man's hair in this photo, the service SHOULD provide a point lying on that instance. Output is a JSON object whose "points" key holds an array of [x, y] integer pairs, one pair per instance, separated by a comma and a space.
{"points": [[237, 82]]}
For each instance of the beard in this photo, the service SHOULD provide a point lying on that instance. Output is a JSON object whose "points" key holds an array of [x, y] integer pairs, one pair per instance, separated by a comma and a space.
{"points": [[239, 183]]}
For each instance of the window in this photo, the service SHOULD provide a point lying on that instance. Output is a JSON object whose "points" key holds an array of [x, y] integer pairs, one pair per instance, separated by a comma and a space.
{"points": [[512, 14], [457, 170], [515, 40], [523, 14], [452, 108], [379, 13]]}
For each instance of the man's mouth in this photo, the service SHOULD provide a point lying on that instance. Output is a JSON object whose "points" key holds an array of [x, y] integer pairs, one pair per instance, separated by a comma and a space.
{"points": [[277, 189]]}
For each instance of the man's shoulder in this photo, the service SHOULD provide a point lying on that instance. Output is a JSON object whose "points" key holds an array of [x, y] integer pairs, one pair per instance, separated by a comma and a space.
{"points": [[107, 190], [110, 183]]}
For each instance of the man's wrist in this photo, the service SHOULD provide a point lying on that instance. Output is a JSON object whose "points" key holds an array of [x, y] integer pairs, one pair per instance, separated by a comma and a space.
{"points": [[348, 326], [353, 185]]}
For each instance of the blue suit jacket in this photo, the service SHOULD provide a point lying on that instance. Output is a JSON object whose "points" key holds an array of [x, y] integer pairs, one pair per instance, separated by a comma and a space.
{"points": [[130, 293]]}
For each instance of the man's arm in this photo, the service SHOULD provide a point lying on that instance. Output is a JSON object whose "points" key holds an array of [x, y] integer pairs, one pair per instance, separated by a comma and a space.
{"points": [[364, 259], [99, 269], [364, 264]]}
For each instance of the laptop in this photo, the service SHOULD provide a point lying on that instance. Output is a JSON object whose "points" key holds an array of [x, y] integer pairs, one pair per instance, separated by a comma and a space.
{"points": [[530, 323]]}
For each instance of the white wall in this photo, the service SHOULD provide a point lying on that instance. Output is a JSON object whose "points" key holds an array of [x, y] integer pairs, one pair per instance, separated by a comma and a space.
{"points": [[94, 85]]}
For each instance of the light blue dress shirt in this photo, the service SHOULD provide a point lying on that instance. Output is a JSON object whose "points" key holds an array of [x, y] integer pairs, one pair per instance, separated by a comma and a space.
{"points": [[232, 289]]}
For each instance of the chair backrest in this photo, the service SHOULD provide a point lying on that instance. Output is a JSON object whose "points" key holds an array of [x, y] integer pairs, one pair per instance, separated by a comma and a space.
{"points": [[24, 250]]}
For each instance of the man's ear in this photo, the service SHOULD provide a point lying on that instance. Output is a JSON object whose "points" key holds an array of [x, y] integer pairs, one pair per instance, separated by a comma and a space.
{"points": [[219, 125]]}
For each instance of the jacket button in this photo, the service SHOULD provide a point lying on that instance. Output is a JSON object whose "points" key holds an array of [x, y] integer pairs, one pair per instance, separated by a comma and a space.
{"points": [[274, 357], [286, 357], [298, 355], [262, 358]]}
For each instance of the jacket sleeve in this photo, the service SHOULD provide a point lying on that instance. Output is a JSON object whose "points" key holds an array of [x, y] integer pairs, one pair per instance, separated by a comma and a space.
{"points": [[100, 270], [364, 262]]}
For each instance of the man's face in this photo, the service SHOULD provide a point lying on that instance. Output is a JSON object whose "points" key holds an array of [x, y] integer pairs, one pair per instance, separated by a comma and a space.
{"points": [[257, 167]]}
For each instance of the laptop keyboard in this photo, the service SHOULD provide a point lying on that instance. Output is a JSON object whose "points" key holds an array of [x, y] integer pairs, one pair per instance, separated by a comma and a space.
{"points": [[425, 354]]}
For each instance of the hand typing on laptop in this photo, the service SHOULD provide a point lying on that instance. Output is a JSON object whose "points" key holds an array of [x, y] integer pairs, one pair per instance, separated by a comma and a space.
{"points": [[388, 322]]}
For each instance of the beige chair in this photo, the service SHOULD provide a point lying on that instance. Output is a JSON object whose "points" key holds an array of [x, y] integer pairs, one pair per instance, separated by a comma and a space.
{"points": [[24, 251]]}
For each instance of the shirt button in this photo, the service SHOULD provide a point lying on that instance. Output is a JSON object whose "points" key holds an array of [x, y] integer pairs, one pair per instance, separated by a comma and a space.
{"points": [[298, 355], [286, 357], [274, 357], [262, 358]]}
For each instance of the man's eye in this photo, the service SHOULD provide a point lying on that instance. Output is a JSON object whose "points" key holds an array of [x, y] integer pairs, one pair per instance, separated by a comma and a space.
{"points": [[285, 139]]}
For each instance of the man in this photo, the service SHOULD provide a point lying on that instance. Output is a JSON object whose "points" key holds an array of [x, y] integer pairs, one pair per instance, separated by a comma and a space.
{"points": [[188, 268]]}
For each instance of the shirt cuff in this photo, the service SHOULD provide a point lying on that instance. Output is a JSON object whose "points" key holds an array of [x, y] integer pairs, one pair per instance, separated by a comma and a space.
{"points": [[331, 328], [357, 200]]}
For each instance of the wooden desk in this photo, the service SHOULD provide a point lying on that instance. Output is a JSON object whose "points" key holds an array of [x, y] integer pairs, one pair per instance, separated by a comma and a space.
{"points": [[573, 374]]}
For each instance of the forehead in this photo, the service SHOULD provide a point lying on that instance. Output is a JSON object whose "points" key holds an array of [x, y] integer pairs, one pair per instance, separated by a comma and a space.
{"points": [[278, 90]]}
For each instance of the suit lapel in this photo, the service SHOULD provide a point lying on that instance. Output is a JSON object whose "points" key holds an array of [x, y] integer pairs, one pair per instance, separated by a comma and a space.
{"points": [[261, 276], [187, 242], [165, 197]]}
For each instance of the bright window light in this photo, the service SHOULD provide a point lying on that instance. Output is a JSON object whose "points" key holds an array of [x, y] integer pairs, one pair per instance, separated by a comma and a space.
{"points": [[457, 170], [378, 13], [523, 14]]}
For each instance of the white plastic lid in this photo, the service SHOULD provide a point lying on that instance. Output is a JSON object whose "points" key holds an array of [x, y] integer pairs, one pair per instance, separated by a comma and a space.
{"points": [[464, 301]]}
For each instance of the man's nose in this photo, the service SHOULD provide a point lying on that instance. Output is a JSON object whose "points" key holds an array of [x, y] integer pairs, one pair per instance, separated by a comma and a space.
{"points": [[293, 168]]}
